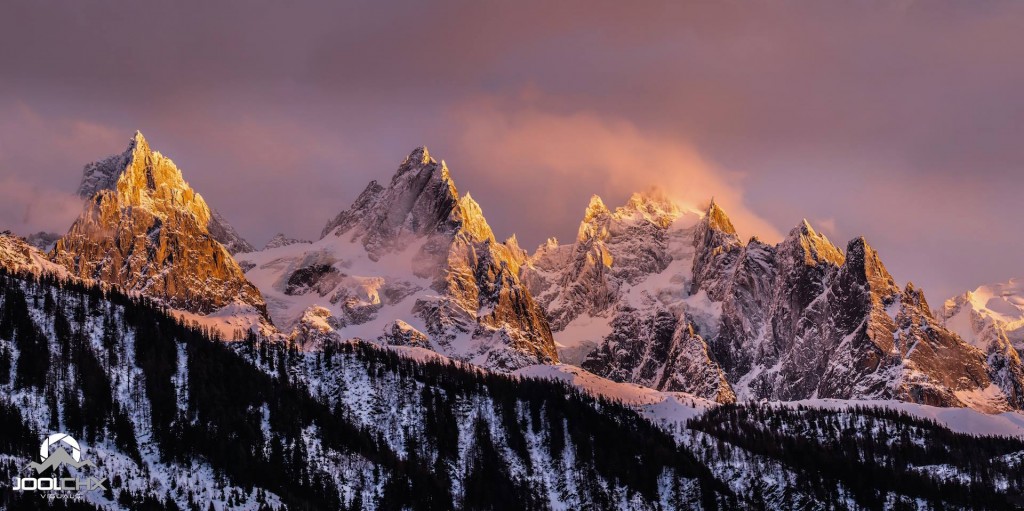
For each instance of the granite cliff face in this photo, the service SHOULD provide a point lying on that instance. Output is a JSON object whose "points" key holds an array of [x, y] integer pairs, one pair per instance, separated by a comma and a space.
{"points": [[145, 230], [412, 263]]}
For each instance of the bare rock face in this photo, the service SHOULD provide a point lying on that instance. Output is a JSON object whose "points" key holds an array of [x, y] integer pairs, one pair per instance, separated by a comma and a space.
{"points": [[661, 351], [418, 253], [145, 230]]}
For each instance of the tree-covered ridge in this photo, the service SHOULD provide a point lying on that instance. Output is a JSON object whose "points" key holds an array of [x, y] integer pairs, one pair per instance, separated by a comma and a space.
{"points": [[176, 418], [872, 452], [126, 377]]}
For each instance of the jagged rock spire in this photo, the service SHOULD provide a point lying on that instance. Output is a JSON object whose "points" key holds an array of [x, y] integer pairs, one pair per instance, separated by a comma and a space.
{"points": [[715, 238], [145, 230], [716, 219], [863, 263], [595, 208], [471, 219], [419, 200], [103, 174], [815, 248], [146, 178]]}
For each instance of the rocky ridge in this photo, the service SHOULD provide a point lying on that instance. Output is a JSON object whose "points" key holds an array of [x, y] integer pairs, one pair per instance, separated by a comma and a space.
{"points": [[796, 320]]}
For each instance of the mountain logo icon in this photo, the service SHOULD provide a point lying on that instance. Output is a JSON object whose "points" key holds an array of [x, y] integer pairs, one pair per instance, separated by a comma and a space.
{"points": [[67, 452]]}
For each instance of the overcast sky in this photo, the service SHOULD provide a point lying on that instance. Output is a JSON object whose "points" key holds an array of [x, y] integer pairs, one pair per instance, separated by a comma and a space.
{"points": [[901, 121]]}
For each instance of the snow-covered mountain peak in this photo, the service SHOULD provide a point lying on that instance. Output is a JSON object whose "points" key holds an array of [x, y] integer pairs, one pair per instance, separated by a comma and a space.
{"points": [[1003, 301], [650, 207], [653, 204], [988, 312], [412, 263], [420, 199]]}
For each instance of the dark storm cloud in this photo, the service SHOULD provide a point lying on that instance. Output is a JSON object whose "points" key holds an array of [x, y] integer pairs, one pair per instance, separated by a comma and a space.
{"points": [[900, 121]]}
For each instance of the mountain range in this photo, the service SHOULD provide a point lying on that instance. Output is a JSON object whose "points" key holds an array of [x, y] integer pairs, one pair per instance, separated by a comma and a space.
{"points": [[657, 308]]}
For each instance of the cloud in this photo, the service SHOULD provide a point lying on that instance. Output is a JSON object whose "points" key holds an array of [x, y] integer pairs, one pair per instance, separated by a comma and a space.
{"points": [[535, 169], [27, 208], [825, 225], [37, 157], [902, 122]]}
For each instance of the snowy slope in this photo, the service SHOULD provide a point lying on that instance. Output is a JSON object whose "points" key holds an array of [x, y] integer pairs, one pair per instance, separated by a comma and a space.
{"points": [[667, 409], [991, 318]]}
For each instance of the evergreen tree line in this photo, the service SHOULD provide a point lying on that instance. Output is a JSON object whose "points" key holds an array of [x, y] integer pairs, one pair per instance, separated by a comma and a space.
{"points": [[871, 451], [219, 420], [608, 438]]}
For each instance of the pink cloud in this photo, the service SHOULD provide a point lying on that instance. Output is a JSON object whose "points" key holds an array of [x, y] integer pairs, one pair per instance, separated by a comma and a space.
{"points": [[547, 164]]}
